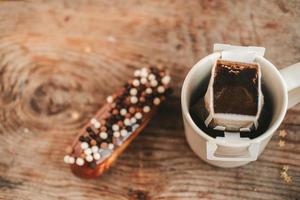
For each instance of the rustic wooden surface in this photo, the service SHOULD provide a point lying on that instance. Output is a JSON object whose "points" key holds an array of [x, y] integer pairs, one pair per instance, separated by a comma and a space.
{"points": [[59, 59]]}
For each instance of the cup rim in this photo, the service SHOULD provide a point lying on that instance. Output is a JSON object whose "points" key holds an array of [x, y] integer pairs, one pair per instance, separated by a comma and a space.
{"points": [[192, 124]]}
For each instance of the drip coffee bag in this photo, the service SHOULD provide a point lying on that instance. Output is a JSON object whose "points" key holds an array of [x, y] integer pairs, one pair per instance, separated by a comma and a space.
{"points": [[233, 100]]}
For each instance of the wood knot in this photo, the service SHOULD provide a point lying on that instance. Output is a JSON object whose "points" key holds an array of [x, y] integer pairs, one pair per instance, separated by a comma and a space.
{"points": [[8, 184], [138, 194], [47, 99]]}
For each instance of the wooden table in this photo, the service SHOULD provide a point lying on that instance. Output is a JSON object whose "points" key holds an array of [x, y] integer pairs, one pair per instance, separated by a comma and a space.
{"points": [[60, 59]]}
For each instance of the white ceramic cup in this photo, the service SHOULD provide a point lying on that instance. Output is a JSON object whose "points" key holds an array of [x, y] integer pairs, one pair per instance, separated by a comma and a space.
{"points": [[284, 89]]}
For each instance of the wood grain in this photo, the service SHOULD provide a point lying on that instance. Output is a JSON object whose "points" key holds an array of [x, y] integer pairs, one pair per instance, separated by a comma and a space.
{"points": [[60, 59]]}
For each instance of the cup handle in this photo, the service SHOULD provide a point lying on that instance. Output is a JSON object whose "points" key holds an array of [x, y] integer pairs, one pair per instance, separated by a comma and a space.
{"points": [[251, 155], [291, 76]]}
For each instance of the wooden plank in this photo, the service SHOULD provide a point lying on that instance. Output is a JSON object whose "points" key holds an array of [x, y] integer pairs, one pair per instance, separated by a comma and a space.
{"points": [[60, 59]]}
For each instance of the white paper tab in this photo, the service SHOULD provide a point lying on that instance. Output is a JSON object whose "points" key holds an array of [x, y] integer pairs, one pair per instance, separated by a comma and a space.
{"points": [[239, 53]]}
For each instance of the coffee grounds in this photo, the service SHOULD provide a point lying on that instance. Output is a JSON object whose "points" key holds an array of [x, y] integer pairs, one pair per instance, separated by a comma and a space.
{"points": [[232, 80]]}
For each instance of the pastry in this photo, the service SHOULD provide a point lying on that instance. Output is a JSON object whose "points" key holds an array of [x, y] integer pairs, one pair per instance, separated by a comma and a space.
{"points": [[117, 123]]}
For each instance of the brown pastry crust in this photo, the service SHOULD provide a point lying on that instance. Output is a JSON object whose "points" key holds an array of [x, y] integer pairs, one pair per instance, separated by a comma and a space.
{"points": [[87, 172]]}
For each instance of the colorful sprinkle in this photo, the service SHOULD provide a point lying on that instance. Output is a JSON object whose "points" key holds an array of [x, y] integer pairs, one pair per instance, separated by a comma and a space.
{"points": [[97, 156], [84, 145], [166, 80], [146, 109], [156, 101], [109, 99], [123, 111], [79, 161], [103, 135]]}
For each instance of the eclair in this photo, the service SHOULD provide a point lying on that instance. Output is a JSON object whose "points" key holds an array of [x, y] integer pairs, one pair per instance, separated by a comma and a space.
{"points": [[118, 122]]}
